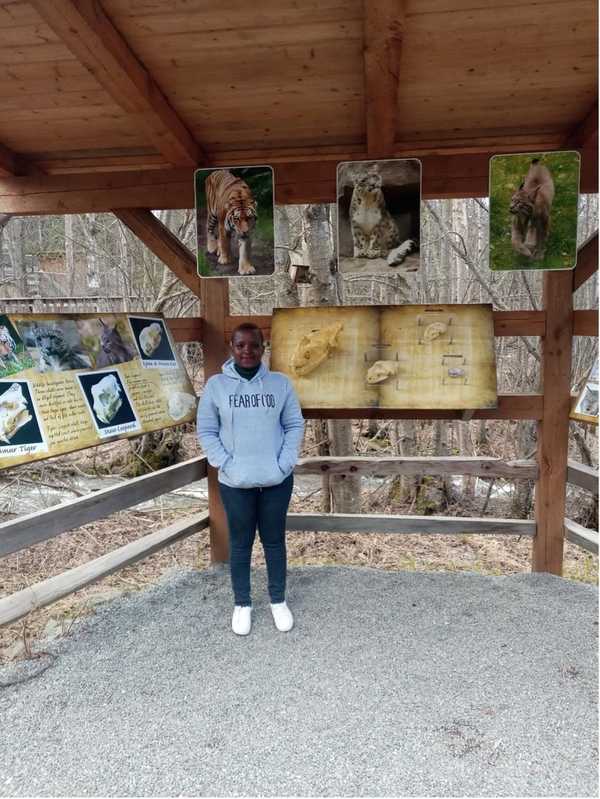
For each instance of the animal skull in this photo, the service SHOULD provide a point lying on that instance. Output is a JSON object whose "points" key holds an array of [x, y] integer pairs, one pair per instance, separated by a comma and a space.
{"points": [[381, 370]]}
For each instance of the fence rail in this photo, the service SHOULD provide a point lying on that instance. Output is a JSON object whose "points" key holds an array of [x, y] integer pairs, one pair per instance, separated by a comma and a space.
{"points": [[362, 466], [83, 304], [50, 522], [587, 478], [583, 476], [387, 523], [21, 603]]}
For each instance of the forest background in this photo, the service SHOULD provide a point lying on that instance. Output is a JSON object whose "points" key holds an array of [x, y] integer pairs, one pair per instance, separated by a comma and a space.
{"points": [[89, 263]]}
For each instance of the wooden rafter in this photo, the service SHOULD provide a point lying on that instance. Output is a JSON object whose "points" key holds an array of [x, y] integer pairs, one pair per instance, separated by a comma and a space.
{"points": [[88, 32], [585, 134], [10, 163], [587, 262], [164, 244], [384, 25]]}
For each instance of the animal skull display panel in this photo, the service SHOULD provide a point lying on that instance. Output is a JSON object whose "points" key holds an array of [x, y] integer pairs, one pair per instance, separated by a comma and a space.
{"points": [[409, 356]]}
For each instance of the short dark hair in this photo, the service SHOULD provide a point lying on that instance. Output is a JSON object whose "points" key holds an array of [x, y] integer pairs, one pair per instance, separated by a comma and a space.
{"points": [[247, 327]]}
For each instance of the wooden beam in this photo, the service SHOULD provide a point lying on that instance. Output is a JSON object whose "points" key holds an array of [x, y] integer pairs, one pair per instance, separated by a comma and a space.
{"points": [[50, 522], [386, 523], [587, 262], [164, 244], [585, 133], [10, 163], [460, 175], [584, 538], [17, 605], [185, 328], [89, 33], [553, 428], [264, 322], [585, 323], [519, 323], [215, 309], [384, 26], [583, 476], [506, 323], [510, 406], [362, 466]]}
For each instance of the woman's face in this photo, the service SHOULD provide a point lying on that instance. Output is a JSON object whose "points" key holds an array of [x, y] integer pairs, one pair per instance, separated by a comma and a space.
{"points": [[247, 348]]}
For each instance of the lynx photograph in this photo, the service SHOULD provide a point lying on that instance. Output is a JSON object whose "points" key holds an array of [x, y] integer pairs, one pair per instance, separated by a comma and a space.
{"points": [[533, 211]]}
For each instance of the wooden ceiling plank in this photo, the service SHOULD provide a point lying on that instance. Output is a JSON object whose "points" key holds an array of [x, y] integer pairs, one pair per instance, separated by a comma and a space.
{"points": [[384, 26], [239, 41], [164, 244], [92, 38], [144, 20]]}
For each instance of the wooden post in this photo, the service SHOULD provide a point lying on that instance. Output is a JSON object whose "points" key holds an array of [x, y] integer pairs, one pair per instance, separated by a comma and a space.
{"points": [[214, 294], [553, 428]]}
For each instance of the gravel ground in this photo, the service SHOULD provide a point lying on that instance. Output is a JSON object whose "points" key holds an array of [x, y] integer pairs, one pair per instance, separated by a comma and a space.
{"points": [[391, 683]]}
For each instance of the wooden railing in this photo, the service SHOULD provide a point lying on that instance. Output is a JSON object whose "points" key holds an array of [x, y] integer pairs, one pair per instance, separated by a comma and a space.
{"points": [[43, 525], [587, 478]]}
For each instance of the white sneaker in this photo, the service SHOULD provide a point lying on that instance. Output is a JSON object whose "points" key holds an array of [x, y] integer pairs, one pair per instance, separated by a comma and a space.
{"points": [[241, 621], [282, 616]]}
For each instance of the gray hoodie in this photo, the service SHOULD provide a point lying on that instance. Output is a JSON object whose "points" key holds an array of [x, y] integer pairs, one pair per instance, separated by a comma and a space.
{"points": [[251, 430]]}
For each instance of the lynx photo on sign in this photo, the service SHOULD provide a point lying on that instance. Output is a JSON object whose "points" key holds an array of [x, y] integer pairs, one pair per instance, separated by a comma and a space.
{"points": [[379, 207], [234, 221], [387, 356], [533, 211]]}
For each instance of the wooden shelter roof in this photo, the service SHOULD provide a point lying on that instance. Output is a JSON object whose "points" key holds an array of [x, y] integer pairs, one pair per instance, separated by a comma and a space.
{"points": [[143, 91]]}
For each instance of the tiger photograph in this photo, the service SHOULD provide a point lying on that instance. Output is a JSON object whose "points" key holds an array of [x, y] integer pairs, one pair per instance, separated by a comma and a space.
{"points": [[234, 221], [533, 210]]}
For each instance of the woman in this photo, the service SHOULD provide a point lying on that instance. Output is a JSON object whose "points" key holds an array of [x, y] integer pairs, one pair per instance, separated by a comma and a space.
{"points": [[250, 426]]}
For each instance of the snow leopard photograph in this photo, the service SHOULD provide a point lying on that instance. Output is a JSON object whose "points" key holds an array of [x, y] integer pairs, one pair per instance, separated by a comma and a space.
{"points": [[378, 211]]}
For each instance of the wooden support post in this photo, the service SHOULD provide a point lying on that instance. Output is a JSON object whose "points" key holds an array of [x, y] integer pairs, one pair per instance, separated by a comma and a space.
{"points": [[553, 428], [214, 293]]}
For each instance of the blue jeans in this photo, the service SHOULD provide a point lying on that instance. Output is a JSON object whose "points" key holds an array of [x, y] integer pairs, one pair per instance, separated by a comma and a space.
{"points": [[247, 508]]}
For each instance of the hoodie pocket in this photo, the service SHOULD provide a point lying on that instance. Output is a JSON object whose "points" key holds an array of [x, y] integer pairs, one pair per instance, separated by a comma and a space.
{"points": [[252, 472]]}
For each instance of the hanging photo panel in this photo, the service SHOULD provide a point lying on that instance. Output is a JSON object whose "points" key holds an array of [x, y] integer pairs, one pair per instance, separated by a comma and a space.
{"points": [[533, 211], [390, 356], [70, 381], [235, 221], [585, 405], [379, 216]]}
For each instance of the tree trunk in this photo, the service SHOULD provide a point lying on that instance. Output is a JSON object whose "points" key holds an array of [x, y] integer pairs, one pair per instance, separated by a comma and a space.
{"points": [[286, 291], [318, 245], [522, 498], [345, 491], [319, 255], [70, 256]]}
